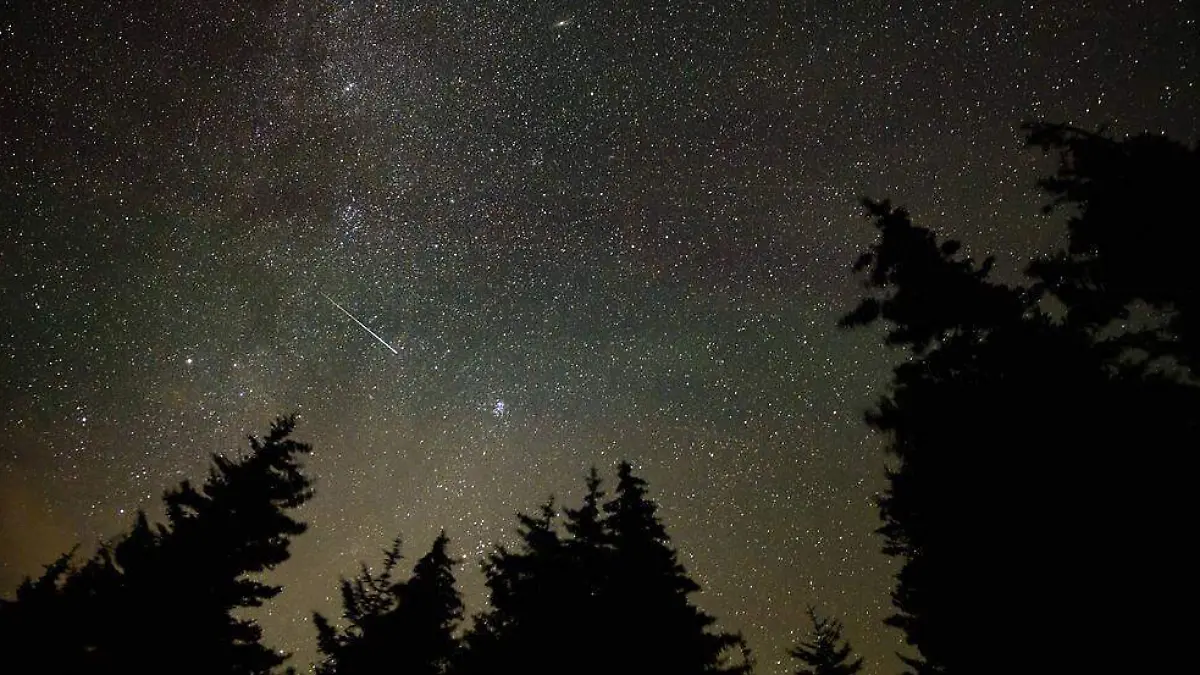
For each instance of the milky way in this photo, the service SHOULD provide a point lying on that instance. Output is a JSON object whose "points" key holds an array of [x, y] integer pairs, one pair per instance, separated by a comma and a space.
{"points": [[586, 232]]}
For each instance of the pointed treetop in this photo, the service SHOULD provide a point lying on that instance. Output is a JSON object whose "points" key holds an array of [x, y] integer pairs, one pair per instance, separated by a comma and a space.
{"points": [[584, 524], [825, 652], [631, 513]]}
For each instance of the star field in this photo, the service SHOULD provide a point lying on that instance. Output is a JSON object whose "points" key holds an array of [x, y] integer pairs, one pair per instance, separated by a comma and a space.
{"points": [[590, 232]]}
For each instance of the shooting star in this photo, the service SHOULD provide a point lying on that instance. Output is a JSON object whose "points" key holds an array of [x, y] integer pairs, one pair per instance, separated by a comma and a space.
{"points": [[364, 326]]}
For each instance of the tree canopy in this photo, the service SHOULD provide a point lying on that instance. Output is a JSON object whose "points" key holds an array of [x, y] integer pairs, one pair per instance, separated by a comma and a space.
{"points": [[608, 595], [175, 588], [825, 651], [1010, 422], [405, 627]]}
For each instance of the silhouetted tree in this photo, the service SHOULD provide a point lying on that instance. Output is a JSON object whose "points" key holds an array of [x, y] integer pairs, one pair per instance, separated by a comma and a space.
{"points": [[524, 629], [1005, 421], [1132, 235], [825, 652], [589, 554], [164, 598], [360, 645], [609, 597], [649, 593], [38, 608], [585, 524], [430, 612], [405, 628]]}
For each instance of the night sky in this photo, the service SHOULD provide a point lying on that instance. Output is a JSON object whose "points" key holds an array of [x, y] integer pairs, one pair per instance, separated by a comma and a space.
{"points": [[579, 231]]}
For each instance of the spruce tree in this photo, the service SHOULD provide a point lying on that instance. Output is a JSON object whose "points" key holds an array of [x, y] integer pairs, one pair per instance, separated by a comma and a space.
{"points": [[825, 652], [523, 629], [649, 614], [430, 610], [234, 526], [1132, 236], [1013, 420], [361, 645], [168, 598], [403, 627], [609, 596], [585, 524], [589, 552], [38, 627]]}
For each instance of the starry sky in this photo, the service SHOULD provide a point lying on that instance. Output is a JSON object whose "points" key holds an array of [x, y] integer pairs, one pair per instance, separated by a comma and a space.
{"points": [[573, 232]]}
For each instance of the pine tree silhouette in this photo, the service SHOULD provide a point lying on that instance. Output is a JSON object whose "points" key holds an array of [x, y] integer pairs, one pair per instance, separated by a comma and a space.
{"points": [[28, 623], [661, 630], [1132, 235], [609, 597], [825, 652], [432, 611], [1005, 421], [523, 629], [585, 524], [589, 554], [362, 645], [163, 598], [406, 627]]}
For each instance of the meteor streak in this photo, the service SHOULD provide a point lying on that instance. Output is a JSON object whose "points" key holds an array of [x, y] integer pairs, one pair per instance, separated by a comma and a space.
{"points": [[364, 326]]}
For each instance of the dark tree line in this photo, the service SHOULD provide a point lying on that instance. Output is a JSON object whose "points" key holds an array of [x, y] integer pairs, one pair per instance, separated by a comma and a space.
{"points": [[617, 571], [395, 626], [600, 590], [164, 598], [1041, 432]]}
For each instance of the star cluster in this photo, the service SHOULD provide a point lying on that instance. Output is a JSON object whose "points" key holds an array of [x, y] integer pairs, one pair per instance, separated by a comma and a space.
{"points": [[590, 231]]}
